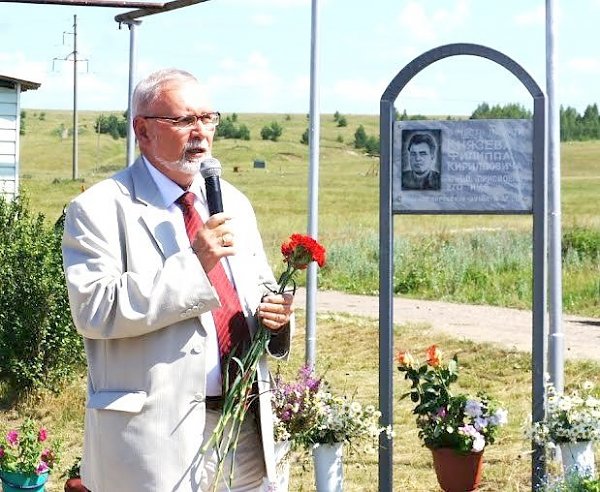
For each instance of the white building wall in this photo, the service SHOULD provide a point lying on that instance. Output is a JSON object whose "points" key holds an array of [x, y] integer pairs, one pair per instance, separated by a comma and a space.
{"points": [[9, 141]]}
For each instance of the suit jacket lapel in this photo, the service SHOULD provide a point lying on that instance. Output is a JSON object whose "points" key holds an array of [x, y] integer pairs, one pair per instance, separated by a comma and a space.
{"points": [[156, 216]]}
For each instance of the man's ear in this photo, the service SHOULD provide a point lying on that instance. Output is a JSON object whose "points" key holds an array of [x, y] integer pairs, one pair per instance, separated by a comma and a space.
{"points": [[139, 127]]}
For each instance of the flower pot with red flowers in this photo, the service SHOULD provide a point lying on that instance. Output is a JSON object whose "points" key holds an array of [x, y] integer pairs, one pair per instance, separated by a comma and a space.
{"points": [[455, 427], [26, 458]]}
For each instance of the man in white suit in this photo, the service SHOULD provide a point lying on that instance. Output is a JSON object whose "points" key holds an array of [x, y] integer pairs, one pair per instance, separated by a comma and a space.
{"points": [[141, 297]]}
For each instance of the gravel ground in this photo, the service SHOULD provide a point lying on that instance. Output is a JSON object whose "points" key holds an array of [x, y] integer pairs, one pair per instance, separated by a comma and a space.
{"points": [[510, 328]]}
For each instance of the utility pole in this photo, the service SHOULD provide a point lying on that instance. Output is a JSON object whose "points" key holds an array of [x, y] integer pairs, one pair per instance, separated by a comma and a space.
{"points": [[75, 124]]}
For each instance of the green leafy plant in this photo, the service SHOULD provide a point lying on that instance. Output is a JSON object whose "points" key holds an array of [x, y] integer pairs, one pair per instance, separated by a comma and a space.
{"points": [[39, 346], [27, 450], [461, 422], [573, 482]]}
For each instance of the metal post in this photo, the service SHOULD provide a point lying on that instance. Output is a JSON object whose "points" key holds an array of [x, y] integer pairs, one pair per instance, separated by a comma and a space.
{"points": [[540, 287], [386, 298], [75, 130], [556, 341], [130, 133], [313, 187]]}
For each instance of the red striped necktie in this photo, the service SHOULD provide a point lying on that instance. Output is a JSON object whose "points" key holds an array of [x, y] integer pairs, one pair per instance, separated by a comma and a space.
{"points": [[232, 330]]}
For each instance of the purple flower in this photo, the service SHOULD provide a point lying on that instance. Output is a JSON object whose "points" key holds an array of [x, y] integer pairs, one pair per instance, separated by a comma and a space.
{"points": [[473, 408], [42, 434], [13, 437], [42, 468]]}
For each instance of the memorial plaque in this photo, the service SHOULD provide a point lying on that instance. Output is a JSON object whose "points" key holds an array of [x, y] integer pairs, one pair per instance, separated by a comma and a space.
{"points": [[467, 166]]}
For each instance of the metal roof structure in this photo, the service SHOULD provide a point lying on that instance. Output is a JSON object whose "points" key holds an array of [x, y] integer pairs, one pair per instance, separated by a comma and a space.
{"points": [[12, 82]]}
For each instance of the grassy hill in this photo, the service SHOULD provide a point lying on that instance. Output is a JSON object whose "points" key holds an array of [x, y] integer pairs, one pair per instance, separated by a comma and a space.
{"points": [[348, 209]]}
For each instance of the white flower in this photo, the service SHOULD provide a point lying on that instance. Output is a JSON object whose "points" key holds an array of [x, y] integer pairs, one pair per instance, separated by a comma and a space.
{"points": [[478, 443], [500, 417]]}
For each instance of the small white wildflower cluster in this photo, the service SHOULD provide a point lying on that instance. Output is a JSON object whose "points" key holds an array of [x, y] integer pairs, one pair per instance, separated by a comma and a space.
{"points": [[307, 413], [570, 417], [345, 420]]}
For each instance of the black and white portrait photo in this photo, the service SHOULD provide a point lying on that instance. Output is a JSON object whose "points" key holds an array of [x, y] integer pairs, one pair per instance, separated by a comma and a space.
{"points": [[421, 159]]}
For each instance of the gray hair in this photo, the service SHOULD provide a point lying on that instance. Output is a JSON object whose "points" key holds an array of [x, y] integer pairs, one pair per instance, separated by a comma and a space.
{"points": [[150, 88]]}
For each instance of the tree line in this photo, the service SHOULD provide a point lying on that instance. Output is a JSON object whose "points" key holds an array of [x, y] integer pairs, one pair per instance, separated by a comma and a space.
{"points": [[573, 126]]}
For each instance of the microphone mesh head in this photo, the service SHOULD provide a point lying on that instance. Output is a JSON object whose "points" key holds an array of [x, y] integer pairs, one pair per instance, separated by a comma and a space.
{"points": [[210, 167]]}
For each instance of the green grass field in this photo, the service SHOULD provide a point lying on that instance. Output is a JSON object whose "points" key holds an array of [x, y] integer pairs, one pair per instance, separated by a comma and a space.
{"points": [[348, 209]]}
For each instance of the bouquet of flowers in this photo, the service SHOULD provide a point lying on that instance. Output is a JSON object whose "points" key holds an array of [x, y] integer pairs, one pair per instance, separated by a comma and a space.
{"points": [[461, 422], [570, 417], [308, 414], [298, 252], [26, 450]]}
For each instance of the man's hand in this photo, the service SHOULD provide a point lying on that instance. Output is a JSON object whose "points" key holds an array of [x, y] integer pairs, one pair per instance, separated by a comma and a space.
{"points": [[214, 241], [275, 310]]}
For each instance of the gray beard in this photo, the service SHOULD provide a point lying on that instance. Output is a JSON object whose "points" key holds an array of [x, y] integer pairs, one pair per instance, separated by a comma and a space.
{"points": [[187, 166]]}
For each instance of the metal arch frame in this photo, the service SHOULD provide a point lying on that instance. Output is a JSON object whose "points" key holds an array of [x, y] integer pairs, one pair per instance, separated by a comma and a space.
{"points": [[540, 329]]}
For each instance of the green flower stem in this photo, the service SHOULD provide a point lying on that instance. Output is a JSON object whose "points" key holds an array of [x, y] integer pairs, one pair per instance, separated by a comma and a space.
{"points": [[236, 403], [285, 278]]}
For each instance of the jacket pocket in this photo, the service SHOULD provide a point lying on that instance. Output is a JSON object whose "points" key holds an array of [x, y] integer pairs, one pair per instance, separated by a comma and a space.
{"points": [[120, 401]]}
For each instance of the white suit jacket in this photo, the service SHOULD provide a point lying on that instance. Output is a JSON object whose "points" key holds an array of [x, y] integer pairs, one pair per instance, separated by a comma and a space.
{"points": [[136, 298]]}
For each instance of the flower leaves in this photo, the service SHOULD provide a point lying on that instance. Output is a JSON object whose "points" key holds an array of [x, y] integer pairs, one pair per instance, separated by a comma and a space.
{"points": [[25, 449], [445, 420]]}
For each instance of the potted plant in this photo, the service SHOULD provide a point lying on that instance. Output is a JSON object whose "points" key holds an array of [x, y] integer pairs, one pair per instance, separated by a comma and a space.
{"points": [[455, 427], [572, 424], [26, 458], [314, 419]]}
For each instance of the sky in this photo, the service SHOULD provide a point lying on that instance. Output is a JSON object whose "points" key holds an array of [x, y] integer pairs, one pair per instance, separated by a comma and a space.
{"points": [[255, 55]]}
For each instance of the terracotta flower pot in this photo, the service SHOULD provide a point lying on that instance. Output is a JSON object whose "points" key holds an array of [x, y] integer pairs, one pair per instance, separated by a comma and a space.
{"points": [[75, 485], [457, 472]]}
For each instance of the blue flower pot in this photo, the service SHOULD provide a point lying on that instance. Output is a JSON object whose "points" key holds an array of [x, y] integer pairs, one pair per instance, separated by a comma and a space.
{"points": [[19, 482]]}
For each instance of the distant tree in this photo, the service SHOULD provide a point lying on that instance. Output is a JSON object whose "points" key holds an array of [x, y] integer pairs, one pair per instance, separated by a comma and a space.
{"points": [[304, 138], [112, 125], [336, 116], [243, 132], [228, 129], [342, 121], [23, 125], [42, 116], [511, 111], [339, 139], [404, 116], [360, 138], [271, 132], [372, 146], [287, 117]]}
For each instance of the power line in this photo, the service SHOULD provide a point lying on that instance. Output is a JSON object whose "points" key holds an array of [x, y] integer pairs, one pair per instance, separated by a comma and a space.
{"points": [[73, 57]]}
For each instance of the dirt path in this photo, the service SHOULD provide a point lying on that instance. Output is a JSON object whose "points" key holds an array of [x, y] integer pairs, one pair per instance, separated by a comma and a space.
{"points": [[508, 327]]}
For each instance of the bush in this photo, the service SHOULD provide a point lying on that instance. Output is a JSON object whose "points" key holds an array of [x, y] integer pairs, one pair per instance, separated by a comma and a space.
{"points": [[228, 129], [581, 241], [304, 137], [271, 132], [115, 127], [39, 346]]}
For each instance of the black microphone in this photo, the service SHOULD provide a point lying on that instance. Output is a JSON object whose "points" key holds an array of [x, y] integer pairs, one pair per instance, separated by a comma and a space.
{"points": [[210, 169]]}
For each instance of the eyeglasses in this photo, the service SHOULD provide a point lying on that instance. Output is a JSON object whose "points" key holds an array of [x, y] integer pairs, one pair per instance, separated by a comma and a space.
{"points": [[209, 120]]}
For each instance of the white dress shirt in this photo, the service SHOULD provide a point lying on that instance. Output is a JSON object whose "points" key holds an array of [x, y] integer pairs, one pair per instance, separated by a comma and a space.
{"points": [[170, 192]]}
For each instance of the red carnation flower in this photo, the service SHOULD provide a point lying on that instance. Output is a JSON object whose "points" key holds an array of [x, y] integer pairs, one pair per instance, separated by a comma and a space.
{"points": [[298, 252]]}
